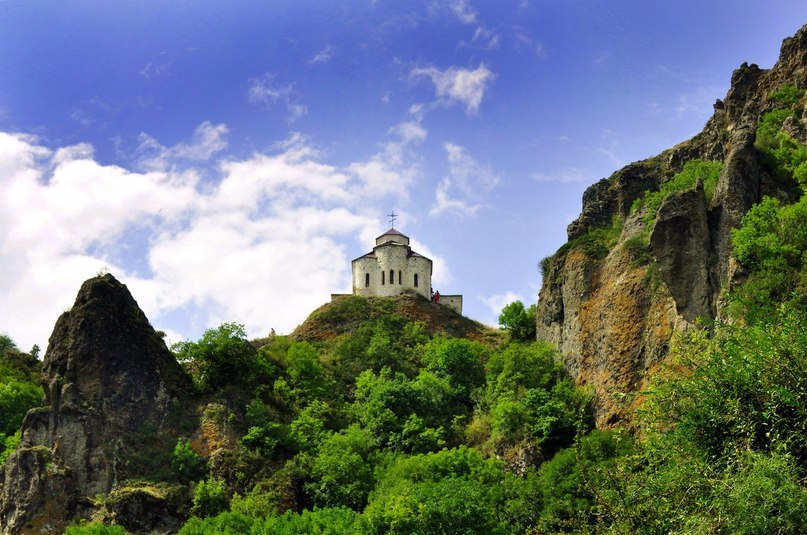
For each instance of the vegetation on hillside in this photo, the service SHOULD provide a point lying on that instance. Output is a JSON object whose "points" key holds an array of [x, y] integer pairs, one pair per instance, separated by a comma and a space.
{"points": [[20, 391]]}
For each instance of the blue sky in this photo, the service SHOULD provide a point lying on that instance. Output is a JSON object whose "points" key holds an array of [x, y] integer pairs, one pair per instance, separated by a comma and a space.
{"points": [[227, 160]]}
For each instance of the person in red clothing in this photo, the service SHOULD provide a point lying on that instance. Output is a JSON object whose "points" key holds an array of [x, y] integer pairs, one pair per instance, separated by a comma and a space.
{"points": [[437, 296]]}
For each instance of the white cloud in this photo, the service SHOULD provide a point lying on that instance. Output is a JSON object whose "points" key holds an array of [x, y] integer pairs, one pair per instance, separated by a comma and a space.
{"points": [[393, 169], [458, 85], [467, 183], [496, 303], [263, 91], [208, 140], [323, 56], [463, 11], [262, 240]]}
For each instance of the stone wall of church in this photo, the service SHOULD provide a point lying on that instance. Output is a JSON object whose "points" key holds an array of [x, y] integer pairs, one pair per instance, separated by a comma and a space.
{"points": [[392, 264], [362, 284], [422, 267], [391, 271]]}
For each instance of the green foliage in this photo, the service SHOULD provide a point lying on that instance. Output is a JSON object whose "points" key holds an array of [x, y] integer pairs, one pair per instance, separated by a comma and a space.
{"points": [[530, 396], [307, 431], [186, 464], [783, 156], [8, 445], [596, 243], [771, 242], [222, 356], [6, 344], [762, 494], [96, 528], [20, 391], [725, 436], [545, 265], [452, 491], [741, 389], [569, 480], [788, 95], [342, 471], [328, 521], [459, 361], [16, 398], [518, 321], [708, 172], [210, 497]]}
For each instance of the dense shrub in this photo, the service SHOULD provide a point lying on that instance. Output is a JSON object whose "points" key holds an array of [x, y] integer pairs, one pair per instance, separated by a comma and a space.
{"points": [[518, 321], [210, 497], [222, 356]]}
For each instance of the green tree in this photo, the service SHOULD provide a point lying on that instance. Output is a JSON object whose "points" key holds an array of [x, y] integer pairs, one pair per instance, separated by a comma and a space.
{"points": [[210, 497], [518, 321], [186, 464], [222, 356], [342, 471], [459, 360]]}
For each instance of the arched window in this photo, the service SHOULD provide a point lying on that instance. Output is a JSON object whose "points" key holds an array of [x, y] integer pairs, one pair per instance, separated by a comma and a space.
{"points": [[366, 280], [392, 276], [383, 273], [400, 279], [416, 280]]}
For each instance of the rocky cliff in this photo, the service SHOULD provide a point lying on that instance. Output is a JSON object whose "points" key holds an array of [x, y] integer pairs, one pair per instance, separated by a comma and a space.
{"points": [[114, 394], [613, 296]]}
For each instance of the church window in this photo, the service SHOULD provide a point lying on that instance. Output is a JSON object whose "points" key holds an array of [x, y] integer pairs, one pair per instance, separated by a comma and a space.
{"points": [[400, 279], [366, 280], [392, 276], [416, 280], [383, 273]]}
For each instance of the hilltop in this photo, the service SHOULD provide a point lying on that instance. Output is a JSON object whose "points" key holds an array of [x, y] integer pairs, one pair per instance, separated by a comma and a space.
{"points": [[345, 314]]}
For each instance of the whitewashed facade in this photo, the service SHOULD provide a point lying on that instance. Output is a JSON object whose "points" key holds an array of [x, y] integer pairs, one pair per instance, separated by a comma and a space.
{"points": [[392, 267]]}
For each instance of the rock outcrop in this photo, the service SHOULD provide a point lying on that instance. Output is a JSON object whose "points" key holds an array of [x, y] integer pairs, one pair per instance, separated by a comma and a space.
{"points": [[114, 396], [613, 317]]}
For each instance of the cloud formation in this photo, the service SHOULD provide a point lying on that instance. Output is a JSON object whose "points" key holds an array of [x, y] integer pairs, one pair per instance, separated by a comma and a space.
{"points": [[467, 183], [260, 240], [458, 85], [323, 56], [263, 91]]}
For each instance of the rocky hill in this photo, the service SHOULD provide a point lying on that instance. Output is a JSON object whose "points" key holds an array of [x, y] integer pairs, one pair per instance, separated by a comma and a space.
{"points": [[114, 396], [346, 313], [613, 296]]}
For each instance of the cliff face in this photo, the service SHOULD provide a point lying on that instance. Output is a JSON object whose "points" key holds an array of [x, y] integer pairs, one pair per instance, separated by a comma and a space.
{"points": [[113, 395], [612, 315]]}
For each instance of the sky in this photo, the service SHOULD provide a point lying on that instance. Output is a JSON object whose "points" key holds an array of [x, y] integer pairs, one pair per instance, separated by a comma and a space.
{"points": [[227, 160]]}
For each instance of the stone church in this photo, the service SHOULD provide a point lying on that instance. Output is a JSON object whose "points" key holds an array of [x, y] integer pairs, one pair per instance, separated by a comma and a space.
{"points": [[393, 267]]}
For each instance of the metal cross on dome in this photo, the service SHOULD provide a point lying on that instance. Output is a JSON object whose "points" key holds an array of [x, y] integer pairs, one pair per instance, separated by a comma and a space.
{"points": [[392, 217]]}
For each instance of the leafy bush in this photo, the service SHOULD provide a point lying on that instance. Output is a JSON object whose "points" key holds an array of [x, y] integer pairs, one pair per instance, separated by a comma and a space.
{"points": [[452, 491], [788, 95], [771, 242], [222, 356], [186, 464], [458, 360], [342, 471], [518, 321], [763, 494], [740, 390], [530, 396], [210, 498]]}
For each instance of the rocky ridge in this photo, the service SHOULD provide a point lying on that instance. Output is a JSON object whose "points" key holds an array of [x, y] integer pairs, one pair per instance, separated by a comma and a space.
{"points": [[613, 317], [114, 395]]}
